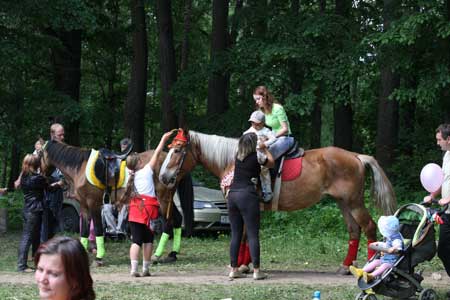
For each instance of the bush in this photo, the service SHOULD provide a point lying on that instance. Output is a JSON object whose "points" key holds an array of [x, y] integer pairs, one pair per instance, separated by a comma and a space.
{"points": [[13, 202]]}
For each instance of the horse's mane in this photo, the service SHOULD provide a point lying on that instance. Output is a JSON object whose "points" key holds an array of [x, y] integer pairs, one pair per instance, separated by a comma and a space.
{"points": [[216, 149], [65, 155]]}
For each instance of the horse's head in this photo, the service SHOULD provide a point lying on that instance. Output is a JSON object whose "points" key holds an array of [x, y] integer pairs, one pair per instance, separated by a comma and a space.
{"points": [[46, 167], [173, 167]]}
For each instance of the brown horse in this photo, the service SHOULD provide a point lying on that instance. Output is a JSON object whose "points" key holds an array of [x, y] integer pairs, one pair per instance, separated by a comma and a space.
{"points": [[72, 162], [326, 171]]}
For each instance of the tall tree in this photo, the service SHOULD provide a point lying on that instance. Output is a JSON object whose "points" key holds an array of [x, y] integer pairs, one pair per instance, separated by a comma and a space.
{"points": [[137, 87], [185, 54], [316, 114], [167, 66], [388, 114], [343, 113], [218, 81], [66, 60]]}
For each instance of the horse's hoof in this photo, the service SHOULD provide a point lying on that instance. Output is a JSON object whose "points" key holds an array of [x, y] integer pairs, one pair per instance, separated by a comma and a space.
{"points": [[343, 270], [171, 258], [98, 262]]}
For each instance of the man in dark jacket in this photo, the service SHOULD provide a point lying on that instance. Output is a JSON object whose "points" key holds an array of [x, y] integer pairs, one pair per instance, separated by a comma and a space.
{"points": [[54, 198]]}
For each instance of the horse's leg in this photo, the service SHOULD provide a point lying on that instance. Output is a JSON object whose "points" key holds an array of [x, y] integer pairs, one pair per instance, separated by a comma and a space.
{"points": [[244, 257], [84, 229], [167, 228], [99, 235], [177, 222], [365, 221], [172, 224], [354, 232]]}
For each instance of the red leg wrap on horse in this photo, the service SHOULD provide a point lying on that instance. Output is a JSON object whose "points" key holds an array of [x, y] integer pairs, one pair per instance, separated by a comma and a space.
{"points": [[370, 252], [352, 252], [241, 254], [247, 257]]}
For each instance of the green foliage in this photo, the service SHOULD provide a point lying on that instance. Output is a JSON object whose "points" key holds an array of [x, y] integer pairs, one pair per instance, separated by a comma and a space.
{"points": [[13, 202]]}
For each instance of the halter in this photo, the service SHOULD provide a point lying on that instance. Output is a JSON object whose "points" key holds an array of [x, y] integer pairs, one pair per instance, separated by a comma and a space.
{"points": [[181, 140]]}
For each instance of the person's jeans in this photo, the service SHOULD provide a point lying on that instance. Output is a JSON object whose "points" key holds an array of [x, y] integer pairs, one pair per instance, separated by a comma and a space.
{"points": [[282, 144], [50, 225], [30, 235]]}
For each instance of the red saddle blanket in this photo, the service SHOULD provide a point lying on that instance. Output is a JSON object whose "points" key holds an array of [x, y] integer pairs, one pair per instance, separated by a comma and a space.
{"points": [[292, 168]]}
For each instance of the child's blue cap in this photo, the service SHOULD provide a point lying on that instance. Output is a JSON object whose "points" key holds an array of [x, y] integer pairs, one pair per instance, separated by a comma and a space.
{"points": [[388, 225]]}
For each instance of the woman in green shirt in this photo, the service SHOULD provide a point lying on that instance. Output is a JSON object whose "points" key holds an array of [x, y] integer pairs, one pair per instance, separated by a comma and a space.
{"points": [[276, 118]]}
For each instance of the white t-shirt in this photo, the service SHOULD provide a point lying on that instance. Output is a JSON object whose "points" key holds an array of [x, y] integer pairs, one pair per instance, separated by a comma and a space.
{"points": [[143, 181], [264, 133], [445, 190]]}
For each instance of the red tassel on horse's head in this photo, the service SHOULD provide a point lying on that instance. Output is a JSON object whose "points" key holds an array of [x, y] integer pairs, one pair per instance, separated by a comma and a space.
{"points": [[180, 139], [181, 136]]}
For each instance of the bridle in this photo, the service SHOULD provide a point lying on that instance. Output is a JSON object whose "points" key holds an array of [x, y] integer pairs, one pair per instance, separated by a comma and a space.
{"points": [[181, 142]]}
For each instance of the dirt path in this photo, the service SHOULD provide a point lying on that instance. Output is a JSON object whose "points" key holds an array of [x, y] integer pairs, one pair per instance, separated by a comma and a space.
{"points": [[219, 277]]}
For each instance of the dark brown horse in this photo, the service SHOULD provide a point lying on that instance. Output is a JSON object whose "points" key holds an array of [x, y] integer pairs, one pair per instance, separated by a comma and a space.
{"points": [[72, 162], [326, 171]]}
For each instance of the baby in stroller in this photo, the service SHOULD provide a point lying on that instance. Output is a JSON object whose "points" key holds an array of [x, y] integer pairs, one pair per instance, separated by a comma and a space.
{"points": [[390, 229], [409, 240]]}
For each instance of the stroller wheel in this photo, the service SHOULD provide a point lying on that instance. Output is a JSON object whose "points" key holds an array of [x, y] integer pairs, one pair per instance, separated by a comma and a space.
{"points": [[427, 294], [364, 296]]}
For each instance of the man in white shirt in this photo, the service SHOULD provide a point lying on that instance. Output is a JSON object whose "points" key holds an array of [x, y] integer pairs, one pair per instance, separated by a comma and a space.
{"points": [[443, 141]]}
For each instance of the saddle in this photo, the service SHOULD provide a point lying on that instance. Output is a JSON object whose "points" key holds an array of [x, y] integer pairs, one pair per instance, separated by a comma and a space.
{"points": [[287, 167], [109, 165]]}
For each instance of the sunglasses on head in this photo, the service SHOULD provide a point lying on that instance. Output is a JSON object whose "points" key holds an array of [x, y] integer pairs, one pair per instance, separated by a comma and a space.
{"points": [[257, 97]]}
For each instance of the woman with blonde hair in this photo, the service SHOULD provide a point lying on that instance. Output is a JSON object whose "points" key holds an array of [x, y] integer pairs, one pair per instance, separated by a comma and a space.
{"points": [[141, 195], [33, 185]]}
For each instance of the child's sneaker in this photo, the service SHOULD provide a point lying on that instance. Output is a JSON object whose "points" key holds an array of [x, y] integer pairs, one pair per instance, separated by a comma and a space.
{"points": [[368, 277], [356, 272], [135, 274]]}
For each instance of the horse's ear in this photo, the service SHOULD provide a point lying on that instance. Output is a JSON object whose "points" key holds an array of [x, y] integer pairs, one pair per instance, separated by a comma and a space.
{"points": [[185, 127]]}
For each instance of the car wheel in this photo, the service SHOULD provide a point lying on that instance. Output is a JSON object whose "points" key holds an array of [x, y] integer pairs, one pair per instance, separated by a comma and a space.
{"points": [[70, 219]]}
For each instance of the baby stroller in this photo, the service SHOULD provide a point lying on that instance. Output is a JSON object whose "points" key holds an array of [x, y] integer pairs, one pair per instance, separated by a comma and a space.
{"points": [[401, 281]]}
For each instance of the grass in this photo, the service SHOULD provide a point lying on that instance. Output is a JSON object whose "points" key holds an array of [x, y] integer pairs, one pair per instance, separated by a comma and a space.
{"points": [[312, 239], [192, 292]]}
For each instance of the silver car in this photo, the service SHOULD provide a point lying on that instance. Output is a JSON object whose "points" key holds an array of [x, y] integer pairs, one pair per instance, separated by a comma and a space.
{"points": [[210, 209]]}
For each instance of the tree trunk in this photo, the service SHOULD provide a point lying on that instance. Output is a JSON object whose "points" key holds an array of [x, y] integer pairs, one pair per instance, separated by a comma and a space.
{"points": [[343, 113], [4, 167], [66, 61], [387, 119], [445, 108], [185, 56], [235, 22], [16, 153], [137, 87], [316, 114], [343, 125], [167, 67], [218, 81], [316, 121]]}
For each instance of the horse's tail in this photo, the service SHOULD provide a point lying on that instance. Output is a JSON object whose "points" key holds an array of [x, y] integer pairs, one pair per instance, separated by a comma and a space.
{"points": [[382, 190]]}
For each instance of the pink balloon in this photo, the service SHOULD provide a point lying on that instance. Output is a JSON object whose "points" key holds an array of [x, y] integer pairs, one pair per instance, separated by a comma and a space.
{"points": [[431, 177]]}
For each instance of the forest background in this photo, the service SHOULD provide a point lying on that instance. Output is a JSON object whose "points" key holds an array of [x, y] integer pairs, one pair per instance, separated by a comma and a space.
{"points": [[367, 76]]}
